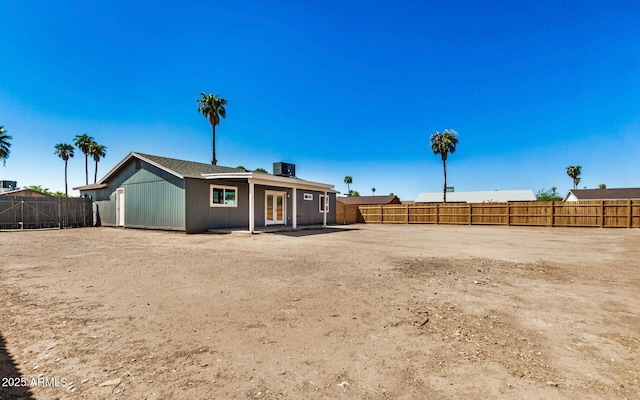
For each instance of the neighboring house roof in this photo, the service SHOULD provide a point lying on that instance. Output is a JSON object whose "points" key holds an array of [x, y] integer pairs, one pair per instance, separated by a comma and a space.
{"points": [[488, 196], [25, 192], [369, 200], [603, 194]]}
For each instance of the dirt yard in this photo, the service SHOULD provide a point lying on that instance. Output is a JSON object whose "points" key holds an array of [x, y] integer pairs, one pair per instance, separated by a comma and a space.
{"points": [[366, 312]]}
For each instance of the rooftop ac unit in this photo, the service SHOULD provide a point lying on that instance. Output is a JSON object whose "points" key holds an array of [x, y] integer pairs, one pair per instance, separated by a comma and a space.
{"points": [[284, 169]]}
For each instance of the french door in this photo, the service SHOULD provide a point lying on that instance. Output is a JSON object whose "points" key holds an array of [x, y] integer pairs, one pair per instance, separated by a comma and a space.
{"points": [[275, 208]]}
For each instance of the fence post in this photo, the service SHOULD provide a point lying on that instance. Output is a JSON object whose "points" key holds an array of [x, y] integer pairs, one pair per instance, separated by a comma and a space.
{"points": [[629, 223], [21, 214], [551, 213], [59, 200], [508, 213], [437, 213], [407, 213], [601, 213], [470, 212], [381, 214]]}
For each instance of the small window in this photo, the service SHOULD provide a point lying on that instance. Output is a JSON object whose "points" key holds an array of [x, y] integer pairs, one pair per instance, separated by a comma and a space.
{"points": [[223, 196], [324, 201], [308, 196]]}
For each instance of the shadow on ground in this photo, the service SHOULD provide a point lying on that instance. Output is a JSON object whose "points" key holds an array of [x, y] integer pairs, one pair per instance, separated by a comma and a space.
{"points": [[12, 385], [313, 231]]}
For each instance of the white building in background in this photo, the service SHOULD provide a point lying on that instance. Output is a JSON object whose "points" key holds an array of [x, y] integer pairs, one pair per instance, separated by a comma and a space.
{"points": [[488, 196]]}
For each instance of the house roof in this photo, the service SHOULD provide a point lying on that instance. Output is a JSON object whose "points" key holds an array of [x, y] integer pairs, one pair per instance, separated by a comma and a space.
{"points": [[373, 200], [190, 169], [186, 169], [605, 194], [488, 196], [180, 168]]}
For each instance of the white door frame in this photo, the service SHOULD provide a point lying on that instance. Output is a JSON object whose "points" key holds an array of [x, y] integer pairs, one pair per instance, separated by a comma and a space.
{"points": [[120, 207], [274, 216]]}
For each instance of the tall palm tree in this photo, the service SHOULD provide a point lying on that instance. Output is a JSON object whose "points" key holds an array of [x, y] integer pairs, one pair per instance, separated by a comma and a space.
{"points": [[4, 145], [348, 180], [211, 106], [373, 191], [97, 151], [443, 144], [64, 151], [574, 172], [83, 142]]}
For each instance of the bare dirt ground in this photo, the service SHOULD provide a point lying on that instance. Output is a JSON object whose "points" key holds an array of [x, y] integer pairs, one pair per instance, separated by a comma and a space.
{"points": [[372, 312]]}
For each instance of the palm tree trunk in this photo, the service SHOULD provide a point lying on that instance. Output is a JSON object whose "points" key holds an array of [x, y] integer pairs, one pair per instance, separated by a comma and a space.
{"points": [[213, 145], [66, 190], [86, 169], [95, 175], [444, 189]]}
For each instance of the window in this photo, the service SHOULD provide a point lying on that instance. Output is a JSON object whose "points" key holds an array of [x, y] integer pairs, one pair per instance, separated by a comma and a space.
{"points": [[223, 196], [324, 201], [308, 196]]}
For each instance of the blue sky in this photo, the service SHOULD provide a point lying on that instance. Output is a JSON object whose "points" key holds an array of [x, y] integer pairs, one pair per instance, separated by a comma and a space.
{"points": [[338, 88]]}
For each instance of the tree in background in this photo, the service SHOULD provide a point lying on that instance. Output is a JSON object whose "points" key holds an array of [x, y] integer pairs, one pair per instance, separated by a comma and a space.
{"points": [[98, 152], [4, 145], [443, 144], [83, 142], [348, 180], [547, 195], [211, 106], [39, 189], [602, 186], [354, 193], [64, 151], [373, 191], [574, 172], [264, 171]]}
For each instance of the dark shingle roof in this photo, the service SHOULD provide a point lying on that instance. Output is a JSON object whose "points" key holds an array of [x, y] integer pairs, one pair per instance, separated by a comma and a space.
{"points": [[607, 194], [362, 200], [189, 169]]}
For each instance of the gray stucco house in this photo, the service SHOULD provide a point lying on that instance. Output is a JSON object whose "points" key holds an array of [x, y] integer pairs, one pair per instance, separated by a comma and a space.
{"points": [[151, 192]]}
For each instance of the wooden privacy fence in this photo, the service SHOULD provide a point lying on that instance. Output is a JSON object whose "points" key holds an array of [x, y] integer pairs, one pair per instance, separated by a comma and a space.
{"points": [[604, 214], [44, 212]]}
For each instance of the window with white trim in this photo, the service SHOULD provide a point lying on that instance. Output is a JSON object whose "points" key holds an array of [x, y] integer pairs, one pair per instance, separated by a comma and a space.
{"points": [[308, 196], [223, 196], [325, 201]]}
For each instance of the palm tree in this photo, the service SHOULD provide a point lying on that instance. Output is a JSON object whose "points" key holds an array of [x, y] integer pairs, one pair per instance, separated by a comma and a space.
{"points": [[64, 151], [443, 144], [83, 142], [373, 191], [4, 145], [348, 180], [97, 151], [212, 108], [574, 172]]}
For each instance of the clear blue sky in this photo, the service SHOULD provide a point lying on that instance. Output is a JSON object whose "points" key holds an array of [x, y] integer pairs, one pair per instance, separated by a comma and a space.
{"points": [[336, 87]]}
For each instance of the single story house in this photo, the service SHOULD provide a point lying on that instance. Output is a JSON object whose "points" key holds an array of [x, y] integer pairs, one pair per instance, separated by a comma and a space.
{"points": [[602, 194], [152, 192], [488, 196], [368, 200], [25, 193]]}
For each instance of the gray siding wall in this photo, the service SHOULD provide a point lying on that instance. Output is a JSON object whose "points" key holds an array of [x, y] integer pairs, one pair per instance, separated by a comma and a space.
{"points": [[200, 216], [154, 199], [309, 210]]}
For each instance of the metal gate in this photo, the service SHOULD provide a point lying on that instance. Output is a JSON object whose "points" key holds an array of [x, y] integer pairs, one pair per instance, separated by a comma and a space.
{"points": [[44, 212]]}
